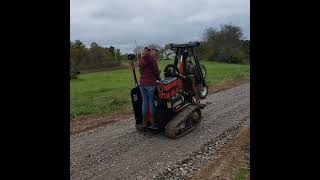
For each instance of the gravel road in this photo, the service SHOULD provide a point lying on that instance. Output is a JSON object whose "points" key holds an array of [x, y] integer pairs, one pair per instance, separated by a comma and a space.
{"points": [[118, 151]]}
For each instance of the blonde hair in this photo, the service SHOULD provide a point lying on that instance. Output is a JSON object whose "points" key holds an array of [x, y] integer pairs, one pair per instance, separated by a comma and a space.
{"points": [[144, 51]]}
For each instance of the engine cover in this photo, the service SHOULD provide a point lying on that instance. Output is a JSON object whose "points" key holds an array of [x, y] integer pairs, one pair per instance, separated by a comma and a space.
{"points": [[169, 87]]}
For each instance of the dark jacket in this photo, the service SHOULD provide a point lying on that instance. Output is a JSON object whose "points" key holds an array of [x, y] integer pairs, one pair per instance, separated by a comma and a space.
{"points": [[149, 71]]}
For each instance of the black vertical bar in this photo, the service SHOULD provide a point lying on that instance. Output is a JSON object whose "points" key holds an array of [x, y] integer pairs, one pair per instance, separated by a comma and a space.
{"points": [[135, 77], [134, 73], [198, 66], [176, 58]]}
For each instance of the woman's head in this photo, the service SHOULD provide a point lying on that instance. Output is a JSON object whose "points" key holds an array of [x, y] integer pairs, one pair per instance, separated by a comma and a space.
{"points": [[145, 51]]}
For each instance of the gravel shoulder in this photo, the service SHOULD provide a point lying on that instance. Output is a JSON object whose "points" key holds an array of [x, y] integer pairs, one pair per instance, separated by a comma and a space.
{"points": [[230, 162], [118, 151]]}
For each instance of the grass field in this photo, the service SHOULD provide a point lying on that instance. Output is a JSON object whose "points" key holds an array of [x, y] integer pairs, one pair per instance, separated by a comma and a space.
{"points": [[109, 91]]}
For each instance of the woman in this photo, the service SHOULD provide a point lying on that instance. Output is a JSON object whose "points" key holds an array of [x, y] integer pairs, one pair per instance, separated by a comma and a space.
{"points": [[149, 74]]}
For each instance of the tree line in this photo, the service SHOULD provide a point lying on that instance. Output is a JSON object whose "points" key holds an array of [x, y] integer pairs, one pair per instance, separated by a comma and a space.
{"points": [[94, 57], [225, 43]]}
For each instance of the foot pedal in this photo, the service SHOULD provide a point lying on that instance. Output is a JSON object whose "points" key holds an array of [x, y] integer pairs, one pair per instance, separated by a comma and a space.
{"points": [[201, 106], [154, 127]]}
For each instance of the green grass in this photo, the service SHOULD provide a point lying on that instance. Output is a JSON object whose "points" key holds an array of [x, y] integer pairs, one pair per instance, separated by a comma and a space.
{"points": [[108, 91], [218, 72], [241, 174]]}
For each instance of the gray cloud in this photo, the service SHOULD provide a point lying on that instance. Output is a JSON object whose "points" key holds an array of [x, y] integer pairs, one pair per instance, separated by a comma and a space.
{"points": [[120, 22]]}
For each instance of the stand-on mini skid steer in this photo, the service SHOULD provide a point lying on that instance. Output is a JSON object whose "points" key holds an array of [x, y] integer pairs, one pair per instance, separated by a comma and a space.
{"points": [[177, 104]]}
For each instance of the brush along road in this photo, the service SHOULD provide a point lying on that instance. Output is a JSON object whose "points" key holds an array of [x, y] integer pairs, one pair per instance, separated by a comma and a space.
{"points": [[119, 151]]}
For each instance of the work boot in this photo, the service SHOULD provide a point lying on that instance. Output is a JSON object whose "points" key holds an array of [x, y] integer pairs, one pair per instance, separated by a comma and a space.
{"points": [[142, 125], [154, 125], [144, 121], [139, 127]]}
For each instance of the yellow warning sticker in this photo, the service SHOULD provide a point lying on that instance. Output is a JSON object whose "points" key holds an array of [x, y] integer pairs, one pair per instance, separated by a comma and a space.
{"points": [[169, 104]]}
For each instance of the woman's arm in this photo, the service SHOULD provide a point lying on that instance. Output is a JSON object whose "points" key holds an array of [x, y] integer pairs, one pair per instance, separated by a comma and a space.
{"points": [[156, 70]]}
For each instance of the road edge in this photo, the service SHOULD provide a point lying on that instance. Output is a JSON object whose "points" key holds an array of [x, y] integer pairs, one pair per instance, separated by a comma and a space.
{"points": [[83, 124]]}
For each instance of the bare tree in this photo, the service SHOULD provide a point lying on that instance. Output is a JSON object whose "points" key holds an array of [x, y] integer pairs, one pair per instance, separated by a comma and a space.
{"points": [[209, 34], [137, 50]]}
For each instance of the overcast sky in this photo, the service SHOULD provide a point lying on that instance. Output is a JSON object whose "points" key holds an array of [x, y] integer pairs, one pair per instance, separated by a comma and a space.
{"points": [[119, 23]]}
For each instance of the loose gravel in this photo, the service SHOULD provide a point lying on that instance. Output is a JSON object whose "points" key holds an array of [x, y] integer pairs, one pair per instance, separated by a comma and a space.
{"points": [[118, 151]]}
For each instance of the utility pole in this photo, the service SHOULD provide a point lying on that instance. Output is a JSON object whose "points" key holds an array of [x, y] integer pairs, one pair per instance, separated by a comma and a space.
{"points": [[137, 55]]}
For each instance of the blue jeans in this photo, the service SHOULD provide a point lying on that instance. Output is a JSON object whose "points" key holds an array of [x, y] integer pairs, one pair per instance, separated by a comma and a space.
{"points": [[147, 93]]}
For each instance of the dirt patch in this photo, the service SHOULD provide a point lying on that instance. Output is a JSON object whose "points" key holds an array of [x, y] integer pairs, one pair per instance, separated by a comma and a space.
{"points": [[227, 84], [230, 162], [84, 123]]}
